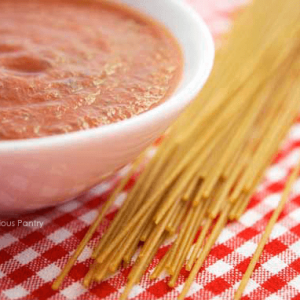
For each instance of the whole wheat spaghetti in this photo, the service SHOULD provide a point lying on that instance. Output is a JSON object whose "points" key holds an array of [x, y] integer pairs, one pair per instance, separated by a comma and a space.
{"points": [[213, 157]]}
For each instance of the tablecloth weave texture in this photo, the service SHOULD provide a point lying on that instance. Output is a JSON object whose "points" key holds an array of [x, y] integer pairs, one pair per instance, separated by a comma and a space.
{"points": [[31, 257]]}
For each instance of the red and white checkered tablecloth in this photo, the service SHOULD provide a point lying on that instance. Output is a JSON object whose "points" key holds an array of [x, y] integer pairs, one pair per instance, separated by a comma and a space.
{"points": [[31, 257]]}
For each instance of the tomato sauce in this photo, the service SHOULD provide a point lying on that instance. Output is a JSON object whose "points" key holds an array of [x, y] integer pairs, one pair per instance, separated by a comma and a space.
{"points": [[68, 65]]}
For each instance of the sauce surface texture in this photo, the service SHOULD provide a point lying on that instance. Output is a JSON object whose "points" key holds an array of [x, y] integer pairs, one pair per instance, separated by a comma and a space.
{"points": [[70, 65]]}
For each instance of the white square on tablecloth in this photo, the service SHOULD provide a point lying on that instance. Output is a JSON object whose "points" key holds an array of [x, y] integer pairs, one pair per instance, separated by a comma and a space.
{"points": [[195, 287], [219, 268], [120, 199], [295, 214], [291, 159], [275, 173], [277, 231], [272, 200], [296, 247], [296, 187], [59, 235], [26, 256], [225, 235], [89, 217], [73, 291], [16, 292], [247, 249], [49, 273], [250, 217], [85, 254], [295, 283], [274, 297], [100, 189], [274, 265], [250, 287], [6, 240], [1, 274], [294, 133], [137, 290]]}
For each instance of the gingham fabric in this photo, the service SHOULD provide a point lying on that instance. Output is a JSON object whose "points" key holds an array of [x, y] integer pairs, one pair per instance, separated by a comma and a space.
{"points": [[32, 256]]}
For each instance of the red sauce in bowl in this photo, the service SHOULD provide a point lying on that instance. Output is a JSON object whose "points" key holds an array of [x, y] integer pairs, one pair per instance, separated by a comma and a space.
{"points": [[68, 65]]}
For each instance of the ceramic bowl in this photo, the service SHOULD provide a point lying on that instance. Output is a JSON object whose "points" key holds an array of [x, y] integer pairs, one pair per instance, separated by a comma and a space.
{"points": [[35, 173]]}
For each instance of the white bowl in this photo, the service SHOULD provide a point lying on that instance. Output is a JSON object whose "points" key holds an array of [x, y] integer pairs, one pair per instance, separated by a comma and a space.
{"points": [[35, 173]]}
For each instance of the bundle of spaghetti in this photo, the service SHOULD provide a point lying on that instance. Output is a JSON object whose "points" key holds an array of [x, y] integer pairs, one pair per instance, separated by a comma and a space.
{"points": [[206, 169]]}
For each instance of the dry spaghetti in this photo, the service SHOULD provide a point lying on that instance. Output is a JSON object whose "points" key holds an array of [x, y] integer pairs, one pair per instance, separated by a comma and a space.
{"points": [[212, 159]]}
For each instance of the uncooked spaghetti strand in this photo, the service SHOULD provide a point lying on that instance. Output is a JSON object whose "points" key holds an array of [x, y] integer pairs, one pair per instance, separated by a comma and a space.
{"points": [[147, 251], [186, 245], [181, 218], [112, 229], [125, 215], [156, 234], [156, 168], [291, 180], [257, 33], [90, 274], [212, 131], [131, 251], [218, 151], [102, 270], [287, 117], [198, 245], [272, 147], [146, 209], [238, 210], [178, 215], [151, 224], [238, 138], [237, 205], [275, 63], [204, 205], [232, 164], [139, 268], [263, 127], [190, 189], [219, 98], [228, 185], [188, 175], [95, 224], [182, 257], [148, 229], [177, 241], [126, 243], [209, 244], [260, 153], [248, 197], [160, 267], [186, 237], [151, 256], [159, 228], [266, 121], [116, 224], [219, 188], [175, 193], [114, 260]]}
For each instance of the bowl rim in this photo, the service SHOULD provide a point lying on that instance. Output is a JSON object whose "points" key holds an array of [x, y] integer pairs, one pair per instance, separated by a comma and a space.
{"points": [[174, 102]]}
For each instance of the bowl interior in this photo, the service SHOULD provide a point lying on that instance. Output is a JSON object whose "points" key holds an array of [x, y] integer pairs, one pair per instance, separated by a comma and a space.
{"points": [[170, 13], [198, 49]]}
